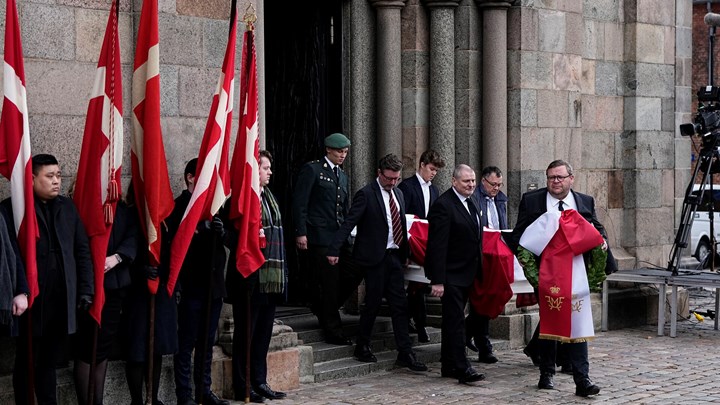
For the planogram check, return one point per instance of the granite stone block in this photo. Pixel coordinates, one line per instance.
(650, 45)
(683, 42)
(615, 187)
(283, 369)
(415, 68)
(59, 135)
(608, 78)
(537, 68)
(668, 115)
(572, 6)
(596, 185)
(568, 145)
(415, 104)
(574, 109)
(164, 6)
(669, 46)
(182, 137)
(602, 113)
(551, 31)
(125, 5)
(655, 228)
(217, 9)
(522, 108)
(593, 40)
(596, 147)
(90, 28)
(515, 68)
(658, 12)
(56, 87)
(683, 14)
(643, 113)
(683, 146)
(537, 145)
(587, 80)
(603, 10)
(48, 32)
(182, 40)
(514, 21)
(467, 69)
(169, 101)
(552, 108)
(215, 39)
(652, 150)
(567, 71)
(613, 41)
(415, 33)
(529, 29)
(574, 31)
(468, 23)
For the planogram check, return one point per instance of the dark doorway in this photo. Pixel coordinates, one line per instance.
(303, 99)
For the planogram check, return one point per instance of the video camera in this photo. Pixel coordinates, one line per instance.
(707, 120)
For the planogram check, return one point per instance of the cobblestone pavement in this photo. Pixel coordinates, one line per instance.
(630, 366)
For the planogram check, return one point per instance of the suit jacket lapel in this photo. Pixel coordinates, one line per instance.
(465, 213)
(379, 197)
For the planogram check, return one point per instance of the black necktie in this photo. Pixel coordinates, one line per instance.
(337, 175)
(560, 206)
(473, 210)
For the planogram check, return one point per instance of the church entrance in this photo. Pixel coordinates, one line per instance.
(304, 102)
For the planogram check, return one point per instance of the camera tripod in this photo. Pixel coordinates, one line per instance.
(707, 165)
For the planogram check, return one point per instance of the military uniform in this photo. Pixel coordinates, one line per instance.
(320, 203)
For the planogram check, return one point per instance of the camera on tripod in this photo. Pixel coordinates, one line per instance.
(707, 120)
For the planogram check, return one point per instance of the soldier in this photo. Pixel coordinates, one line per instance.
(320, 204)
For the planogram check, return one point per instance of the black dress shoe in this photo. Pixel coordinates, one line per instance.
(586, 388)
(487, 358)
(364, 354)
(267, 392)
(338, 340)
(533, 356)
(469, 341)
(211, 399)
(470, 375)
(546, 381)
(422, 335)
(255, 398)
(410, 361)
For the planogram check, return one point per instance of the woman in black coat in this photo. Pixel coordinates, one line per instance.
(121, 252)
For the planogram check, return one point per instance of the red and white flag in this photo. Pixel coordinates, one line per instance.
(151, 182)
(15, 162)
(245, 199)
(212, 184)
(560, 239)
(97, 189)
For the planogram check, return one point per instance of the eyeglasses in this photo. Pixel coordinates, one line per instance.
(391, 179)
(556, 179)
(493, 184)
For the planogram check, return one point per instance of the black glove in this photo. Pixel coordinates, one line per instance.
(85, 302)
(217, 226)
(151, 272)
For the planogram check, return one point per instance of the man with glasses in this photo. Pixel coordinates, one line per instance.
(493, 205)
(558, 195)
(381, 248)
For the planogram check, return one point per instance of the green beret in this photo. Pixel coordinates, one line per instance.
(337, 141)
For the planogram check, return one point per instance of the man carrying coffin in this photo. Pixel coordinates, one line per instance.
(560, 225)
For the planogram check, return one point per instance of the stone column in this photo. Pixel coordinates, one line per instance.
(442, 80)
(494, 83)
(389, 88)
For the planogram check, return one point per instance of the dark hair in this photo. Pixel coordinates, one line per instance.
(558, 163)
(190, 168)
(430, 156)
(265, 154)
(42, 159)
(486, 172)
(390, 162)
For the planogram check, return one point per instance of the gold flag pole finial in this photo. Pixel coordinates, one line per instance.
(249, 18)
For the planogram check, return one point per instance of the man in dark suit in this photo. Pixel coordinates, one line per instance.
(420, 194)
(65, 278)
(381, 248)
(452, 261)
(559, 196)
(319, 207)
(493, 205)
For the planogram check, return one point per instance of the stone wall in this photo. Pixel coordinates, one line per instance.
(595, 83)
(61, 44)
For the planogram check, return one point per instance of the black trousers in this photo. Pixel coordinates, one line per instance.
(332, 286)
(416, 303)
(479, 327)
(47, 350)
(577, 354)
(261, 319)
(452, 347)
(386, 280)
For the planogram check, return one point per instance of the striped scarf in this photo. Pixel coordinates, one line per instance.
(273, 273)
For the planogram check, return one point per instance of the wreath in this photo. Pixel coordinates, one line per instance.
(595, 261)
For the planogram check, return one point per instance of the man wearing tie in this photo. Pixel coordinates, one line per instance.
(452, 261)
(420, 194)
(559, 196)
(493, 205)
(381, 248)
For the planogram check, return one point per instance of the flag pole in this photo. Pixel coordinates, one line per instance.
(31, 362)
(150, 349)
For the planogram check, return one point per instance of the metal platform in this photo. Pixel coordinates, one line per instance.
(663, 279)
